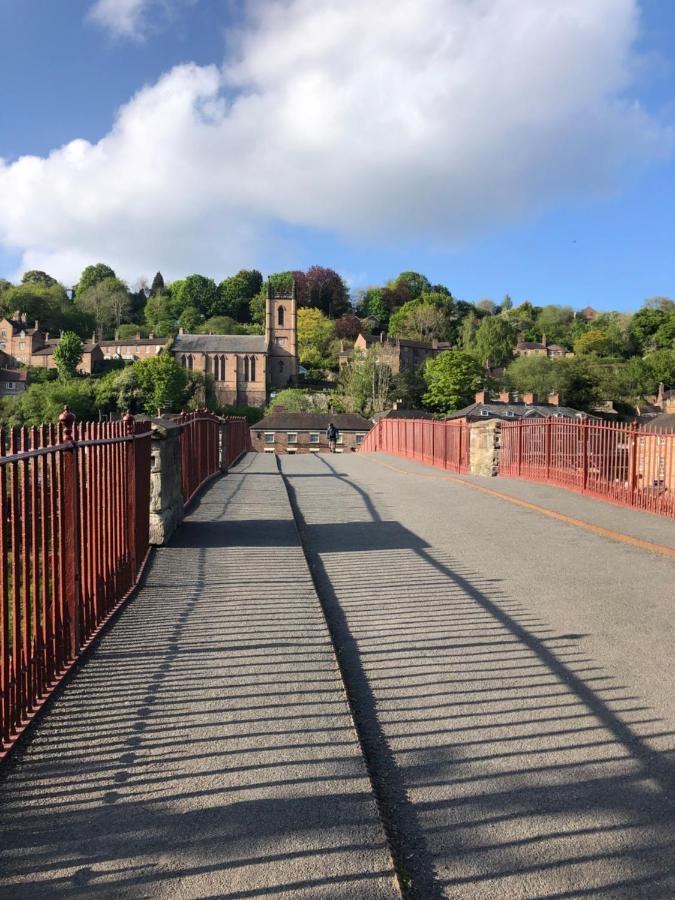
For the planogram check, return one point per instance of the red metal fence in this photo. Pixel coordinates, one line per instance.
(437, 443)
(201, 450)
(74, 504)
(614, 462)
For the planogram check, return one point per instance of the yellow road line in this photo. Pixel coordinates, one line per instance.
(561, 517)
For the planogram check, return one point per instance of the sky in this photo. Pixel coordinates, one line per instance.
(498, 146)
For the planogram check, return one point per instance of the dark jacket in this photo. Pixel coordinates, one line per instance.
(331, 433)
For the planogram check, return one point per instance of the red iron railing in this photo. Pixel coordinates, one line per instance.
(74, 503)
(619, 463)
(201, 449)
(437, 443)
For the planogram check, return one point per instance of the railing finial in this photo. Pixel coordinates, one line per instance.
(67, 419)
(129, 421)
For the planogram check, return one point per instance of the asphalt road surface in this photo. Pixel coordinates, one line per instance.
(511, 674)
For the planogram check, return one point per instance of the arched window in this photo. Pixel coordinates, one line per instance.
(281, 365)
(214, 365)
(190, 362)
(246, 368)
(253, 368)
(280, 316)
(183, 361)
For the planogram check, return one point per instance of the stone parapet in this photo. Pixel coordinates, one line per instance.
(485, 444)
(166, 496)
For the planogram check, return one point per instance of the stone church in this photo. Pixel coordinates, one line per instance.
(245, 367)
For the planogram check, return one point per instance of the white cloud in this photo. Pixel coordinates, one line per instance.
(131, 18)
(432, 119)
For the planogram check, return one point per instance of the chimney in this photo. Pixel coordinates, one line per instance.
(554, 398)
(46, 337)
(504, 397)
(481, 396)
(382, 337)
(181, 330)
(138, 335)
(543, 341)
(434, 343)
(398, 404)
(151, 336)
(529, 398)
(36, 325)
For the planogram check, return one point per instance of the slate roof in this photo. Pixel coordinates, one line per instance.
(529, 345)
(297, 421)
(13, 375)
(48, 348)
(401, 342)
(403, 414)
(510, 411)
(666, 422)
(18, 327)
(219, 343)
(142, 342)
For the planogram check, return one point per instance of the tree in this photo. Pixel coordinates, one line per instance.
(92, 275)
(129, 330)
(418, 321)
(35, 276)
(348, 327)
(162, 383)
(452, 379)
(365, 384)
(159, 315)
(507, 304)
(219, 325)
(487, 307)
(49, 305)
(664, 336)
(531, 373)
(157, 286)
(236, 293)
(414, 282)
(495, 340)
(315, 335)
(296, 400)
(327, 291)
(190, 320)
(197, 291)
(68, 355)
(555, 322)
(372, 303)
(409, 387)
(44, 402)
(662, 366)
(107, 301)
(593, 341)
(468, 332)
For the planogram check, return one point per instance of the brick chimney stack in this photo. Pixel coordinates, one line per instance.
(554, 398)
(481, 396)
(529, 398)
(505, 397)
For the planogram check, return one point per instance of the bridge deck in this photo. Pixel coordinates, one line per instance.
(508, 672)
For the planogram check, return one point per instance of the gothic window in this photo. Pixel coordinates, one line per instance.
(214, 363)
(280, 316)
(281, 365)
(222, 367)
(246, 368)
(253, 368)
(183, 361)
(190, 362)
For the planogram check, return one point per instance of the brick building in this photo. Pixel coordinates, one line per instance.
(535, 348)
(13, 382)
(507, 407)
(244, 366)
(401, 353)
(132, 349)
(25, 344)
(293, 432)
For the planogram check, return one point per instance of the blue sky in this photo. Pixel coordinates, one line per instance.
(285, 145)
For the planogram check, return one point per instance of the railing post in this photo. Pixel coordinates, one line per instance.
(519, 446)
(548, 435)
(584, 456)
(69, 509)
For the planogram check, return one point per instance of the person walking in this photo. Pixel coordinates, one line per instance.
(332, 435)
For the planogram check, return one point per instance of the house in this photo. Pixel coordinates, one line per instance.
(133, 348)
(534, 348)
(13, 382)
(508, 408)
(398, 411)
(25, 344)
(401, 353)
(244, 366)
(293, 432)
(588, 314)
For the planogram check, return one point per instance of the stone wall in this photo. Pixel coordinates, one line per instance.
(166, 496)
(485, 444)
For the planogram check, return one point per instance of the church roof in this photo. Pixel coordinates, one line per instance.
(219, 343)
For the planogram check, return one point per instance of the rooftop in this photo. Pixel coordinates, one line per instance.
(219, 343)
(13, 375)
(282, 420)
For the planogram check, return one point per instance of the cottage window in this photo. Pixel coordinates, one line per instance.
(314, 437)
(22, 345)
(339, 438)
(484, 412)
(269, 437)
(292, 437)
(10, 385)
(359, 439)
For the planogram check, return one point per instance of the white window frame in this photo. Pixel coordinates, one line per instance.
(314, 438)
(10, 385)
(340, 439)
(268, 435)
(292, 437)
(359, 439)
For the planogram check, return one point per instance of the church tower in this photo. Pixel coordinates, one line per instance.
(281, 337)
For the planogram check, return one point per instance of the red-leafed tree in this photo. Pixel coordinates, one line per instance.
(348, 327)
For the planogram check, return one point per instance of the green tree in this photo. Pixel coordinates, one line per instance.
(108, 303)
(555, 322)
(159, 316)
(190, 320)
(315, 336)
(92, 275)
(452, 379)
(35, 276)
(414, 282)
(644, 325)
(531, 373)
(487, 307)
(162, 383)
(495, 340)
(662, 366)
(44, 402)
(372, 303)
(68, 355)
(365, 385)
(157, 286)
(236, 293)
(664, 336)
(197, 291)
(128, 330)
(592, 341)
(296, 400)
(468, 332)
(419, 321)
